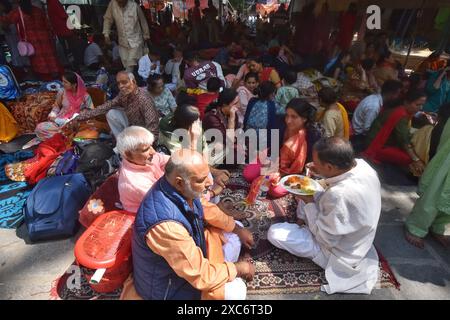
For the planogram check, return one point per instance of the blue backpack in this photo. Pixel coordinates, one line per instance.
(52, 208)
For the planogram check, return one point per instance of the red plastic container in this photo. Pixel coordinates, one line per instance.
(106, 244)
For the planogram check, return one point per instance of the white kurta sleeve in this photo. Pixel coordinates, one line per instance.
(333, 219)
(108, 20)
(301, 210)
(311, 212)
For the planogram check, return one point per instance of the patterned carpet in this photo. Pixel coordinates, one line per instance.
(78, 291)
(277, 272)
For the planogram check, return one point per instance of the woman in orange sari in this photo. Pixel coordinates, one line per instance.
(389, 138)
(293, 153)
(299, 114)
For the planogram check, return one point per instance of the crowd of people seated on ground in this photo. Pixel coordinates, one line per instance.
(166, 105)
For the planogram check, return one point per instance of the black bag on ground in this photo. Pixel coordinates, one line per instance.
(97, 162)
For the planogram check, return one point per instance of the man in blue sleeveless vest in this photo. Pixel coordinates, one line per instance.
(169, 248)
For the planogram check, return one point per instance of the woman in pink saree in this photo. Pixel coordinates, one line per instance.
(69, 101)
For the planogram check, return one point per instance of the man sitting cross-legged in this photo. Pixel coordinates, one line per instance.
(336, 227)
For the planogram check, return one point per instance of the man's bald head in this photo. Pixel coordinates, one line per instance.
(335, 151)
(183, 162)
(188, 172)
(333, 156)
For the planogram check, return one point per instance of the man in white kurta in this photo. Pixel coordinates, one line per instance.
(132, 30)
(149, 64)
(337, 226)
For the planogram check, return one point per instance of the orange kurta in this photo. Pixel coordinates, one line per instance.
(293, 154)
(173, 242)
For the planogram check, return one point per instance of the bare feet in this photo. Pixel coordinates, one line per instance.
(443, 240)
(414, 240)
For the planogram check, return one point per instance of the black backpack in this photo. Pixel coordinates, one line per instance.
(97, 162)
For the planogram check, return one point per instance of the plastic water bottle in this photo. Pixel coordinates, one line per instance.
(264, 188)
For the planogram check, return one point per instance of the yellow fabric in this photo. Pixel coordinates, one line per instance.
(421, 142)
(346, 123)
(275, 77)
(196, 91)
(8, 125)
(345, 120)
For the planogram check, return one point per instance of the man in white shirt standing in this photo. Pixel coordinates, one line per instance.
(368, 109)
(132, 30)
(336, 227)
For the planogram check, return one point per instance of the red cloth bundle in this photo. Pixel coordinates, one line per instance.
(35, 169)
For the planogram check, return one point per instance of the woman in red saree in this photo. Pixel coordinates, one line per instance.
(37, 32)
(389, 137)
(255, 65)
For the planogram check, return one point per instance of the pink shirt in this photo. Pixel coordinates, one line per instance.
(135, 180)
(244, 97)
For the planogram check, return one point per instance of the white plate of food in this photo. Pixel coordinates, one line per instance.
(300, 185)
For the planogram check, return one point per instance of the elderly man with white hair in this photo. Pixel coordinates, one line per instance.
(141, 165)
(132, 106)
(141, 168)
